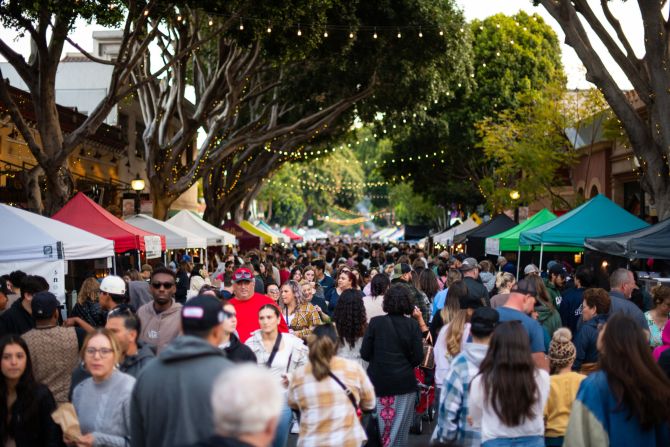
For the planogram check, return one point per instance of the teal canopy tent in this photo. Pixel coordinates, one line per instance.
(595, 218)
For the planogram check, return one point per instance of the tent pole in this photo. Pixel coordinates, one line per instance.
(165, 257)
(518, 262)
(541, 252)
(114, 265)
(139, 261)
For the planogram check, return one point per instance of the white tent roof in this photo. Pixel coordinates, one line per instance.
(313, 234)
(29, 236)
(175, 237)
(190, 222)
(396, 235)
(447, 237)
(383, 234)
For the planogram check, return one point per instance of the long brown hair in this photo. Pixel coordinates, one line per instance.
(542, 293)
(637, 382)
(452, 302)
(323, 346)
(508, 374)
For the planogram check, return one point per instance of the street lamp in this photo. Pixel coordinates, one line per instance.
(514, 195)
(137, 185)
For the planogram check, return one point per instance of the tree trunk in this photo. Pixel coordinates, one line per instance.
(161, 200)
(30, 180)
(306, 216)
(59, 189)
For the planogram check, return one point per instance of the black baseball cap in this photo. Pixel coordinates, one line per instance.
(484, 320)
(525, 287)
(201, 313)
(557, 269)
(43, 305)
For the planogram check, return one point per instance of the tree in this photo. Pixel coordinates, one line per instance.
(262, 92)
(509, 55)
(647, 127)
(48, 25)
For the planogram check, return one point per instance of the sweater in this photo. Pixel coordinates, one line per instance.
(483, 414)
(159, 329)
(393, 354)
(562, 393)
(103, 408)
(598, 419)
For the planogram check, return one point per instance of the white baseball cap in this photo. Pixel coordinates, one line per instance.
(113, 284)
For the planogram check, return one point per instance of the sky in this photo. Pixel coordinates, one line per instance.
(626, 12)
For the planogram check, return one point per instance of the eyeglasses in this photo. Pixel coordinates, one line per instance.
(104, 352)
(166, 285)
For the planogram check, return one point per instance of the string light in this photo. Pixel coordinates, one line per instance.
(241, 25)
(374, 36)
(325, 33)
(299, 31)
(269, 29)
(399, 34)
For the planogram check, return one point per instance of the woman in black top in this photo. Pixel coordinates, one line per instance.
(25, 405)
(392, 345)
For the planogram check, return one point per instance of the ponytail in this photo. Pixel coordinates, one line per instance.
(323, 346)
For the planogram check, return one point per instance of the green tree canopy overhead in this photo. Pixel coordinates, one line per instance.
(510, 55)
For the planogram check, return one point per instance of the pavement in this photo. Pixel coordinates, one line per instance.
(422, 440)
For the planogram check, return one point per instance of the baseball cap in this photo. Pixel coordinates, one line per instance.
(470, 301)
(147, 268)
(525, 287)
(242, 274)
(113, 284)
(43, 305)
(400, 269)
(483, 321)
(557, 269)
(531, 268)
(501, 260)
(186, 258)
(201, 313)
(469, 264)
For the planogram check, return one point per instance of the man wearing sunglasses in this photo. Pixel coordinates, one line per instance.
(160, 318)
(247, 303)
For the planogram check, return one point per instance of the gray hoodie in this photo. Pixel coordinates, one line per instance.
(475, 353)
(171, 405)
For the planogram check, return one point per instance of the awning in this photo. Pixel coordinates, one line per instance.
(291, 234)
(175, 237)
(84, 213)
(447, 237)
(245, 240)
(649, 242)
(266, 237)
(188, 221)
(477, 238)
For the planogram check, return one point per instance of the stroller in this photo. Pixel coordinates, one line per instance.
(424, 409)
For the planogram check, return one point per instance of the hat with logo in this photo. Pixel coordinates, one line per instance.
(557, 269)
(469, 264)
(243, 274)
(531, 268)
(113, 284)
(483, 321)
(525, 287)
(201, 313)
(43, 305)
(400, 269)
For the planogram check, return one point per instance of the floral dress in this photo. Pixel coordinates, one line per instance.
(654, 331)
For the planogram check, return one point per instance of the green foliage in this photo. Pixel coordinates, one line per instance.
(509, 55)
(410, 207)
(23, 15)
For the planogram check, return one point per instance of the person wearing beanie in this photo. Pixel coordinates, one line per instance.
(563, 388)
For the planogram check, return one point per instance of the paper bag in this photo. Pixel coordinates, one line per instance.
(66, 416)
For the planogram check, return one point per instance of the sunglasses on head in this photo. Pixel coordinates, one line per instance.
(242, 275)
(166, 285)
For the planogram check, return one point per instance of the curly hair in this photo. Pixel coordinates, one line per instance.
(350, 317)
(398, 300)
(89, 290)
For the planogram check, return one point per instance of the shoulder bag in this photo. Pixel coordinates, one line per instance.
(275, 348)
(368, 419)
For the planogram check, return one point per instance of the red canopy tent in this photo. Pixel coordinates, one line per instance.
(291, 234)
(246, 240)
(84, 213)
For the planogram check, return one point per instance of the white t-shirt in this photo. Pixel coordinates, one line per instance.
(492, 427)
(442, 357)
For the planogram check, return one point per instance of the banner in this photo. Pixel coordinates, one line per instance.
(492, 246)
(152, 246)
(51, 270)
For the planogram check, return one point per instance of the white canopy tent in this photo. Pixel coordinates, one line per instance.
(190, 222)
(175, 237)
(313, 234)
(383, 233)
(40, 246)
(447, 237)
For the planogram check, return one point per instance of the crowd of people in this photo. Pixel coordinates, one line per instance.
(334, 342)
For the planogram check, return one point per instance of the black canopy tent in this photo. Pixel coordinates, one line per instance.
(476, 240)
(648, 242)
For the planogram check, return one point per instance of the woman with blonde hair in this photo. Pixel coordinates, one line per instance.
(504, 283)
(301, 316)
(87, 307)
(102, 401)
(328, 391)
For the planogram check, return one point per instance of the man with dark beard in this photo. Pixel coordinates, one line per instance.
(160, 318)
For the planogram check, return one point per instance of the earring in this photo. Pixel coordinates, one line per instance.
(83, 365)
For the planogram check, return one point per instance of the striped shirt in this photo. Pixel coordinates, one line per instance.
(327, 417)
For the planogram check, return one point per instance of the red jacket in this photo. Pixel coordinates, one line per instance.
(247, 314)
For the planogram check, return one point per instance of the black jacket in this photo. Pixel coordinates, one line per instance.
(477, 290)
(43, 432)
(220, 441)
(393, 355)
(238, 352)
(16, 320)
(183, 284)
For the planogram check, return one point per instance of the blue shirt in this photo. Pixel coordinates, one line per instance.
(571, 308)
(438, 302)
(532, 327)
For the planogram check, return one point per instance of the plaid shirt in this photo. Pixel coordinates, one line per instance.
(452, 425)
(305, 318)
(327, 417)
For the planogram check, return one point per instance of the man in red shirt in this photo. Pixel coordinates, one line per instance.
(247, 304)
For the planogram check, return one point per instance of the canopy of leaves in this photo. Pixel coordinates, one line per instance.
(510, 55)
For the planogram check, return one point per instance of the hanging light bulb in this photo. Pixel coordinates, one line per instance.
(351, 34)
(299, 31)
(374, 36)
(441, 33)
(269, 30)
(399, 35)
(325, 33)
(241, 25)
(420, 33)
